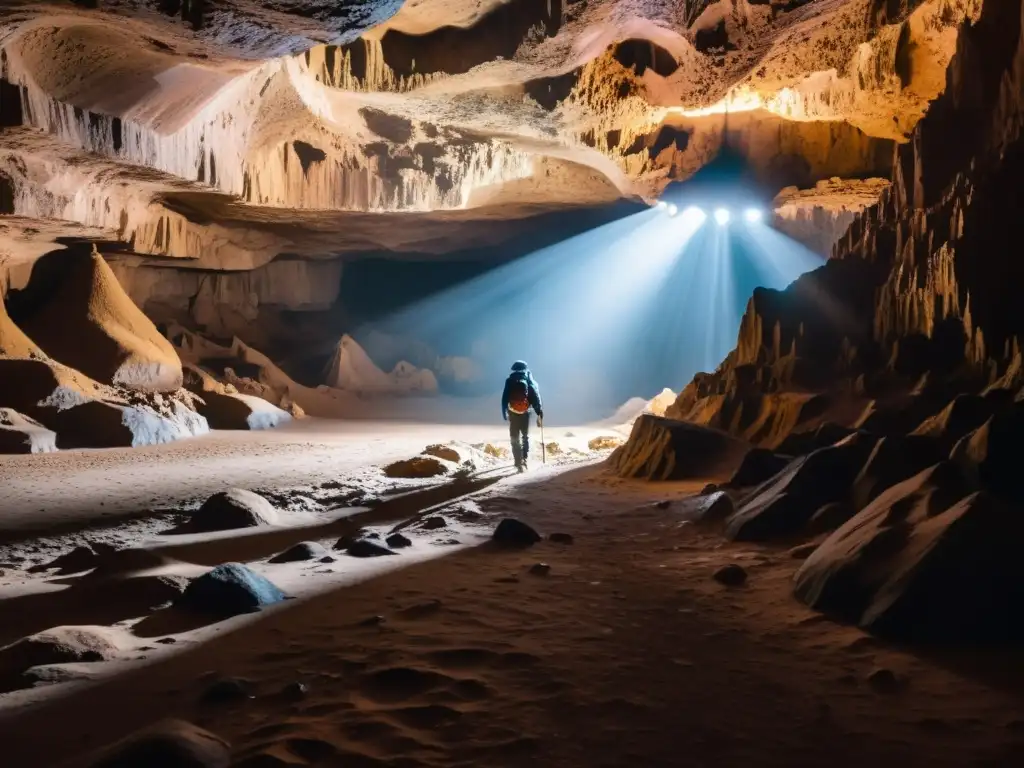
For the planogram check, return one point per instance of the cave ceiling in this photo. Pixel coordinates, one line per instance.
(225, 133)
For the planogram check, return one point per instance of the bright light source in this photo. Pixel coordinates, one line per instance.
(695, 213)
(752, 215)
(661, 205)
(722, 216)
(672, 210)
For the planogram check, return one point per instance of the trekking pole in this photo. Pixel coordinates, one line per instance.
(543, 445)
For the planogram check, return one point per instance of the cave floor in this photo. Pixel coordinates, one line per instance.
(625, 652)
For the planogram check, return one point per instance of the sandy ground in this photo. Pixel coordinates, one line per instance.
(626, 653)
(75, 488)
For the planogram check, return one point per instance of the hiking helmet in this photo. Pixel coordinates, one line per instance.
(519, 365)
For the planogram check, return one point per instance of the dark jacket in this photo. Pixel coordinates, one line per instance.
(532, 391)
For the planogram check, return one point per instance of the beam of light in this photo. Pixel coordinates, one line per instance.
(722, 216)
(672, 209)
(753, 215)
(625, 309)
(661, 205)
(695, 213)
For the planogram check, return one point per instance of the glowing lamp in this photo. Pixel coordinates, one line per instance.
(722, 216)
(661, 205)
(694, 213)
(672, 210)
(752, 215)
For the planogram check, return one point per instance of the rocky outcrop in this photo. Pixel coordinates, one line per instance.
(908, 334)
(923, 562)
(662, 449)
(86, 414)
(352, 370)
(75, 310)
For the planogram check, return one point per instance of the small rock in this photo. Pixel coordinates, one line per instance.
(515, 533)
(373, 621)
(434, 523)
(367, 548)
(709, 488)
(345, 542)
(561, 538)
(304, 550)
(167, 641)
(540, 569)
(731, 575)
(228, 689)
(328, 559)
(398, 541)
(663, 504)
(803, 551)
(604, 443)
(884, 680)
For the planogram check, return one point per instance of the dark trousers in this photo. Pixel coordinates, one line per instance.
(519, 432)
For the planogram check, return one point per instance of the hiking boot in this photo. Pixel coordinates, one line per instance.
(520, 468)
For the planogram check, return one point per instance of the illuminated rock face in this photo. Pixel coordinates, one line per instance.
(321, 106)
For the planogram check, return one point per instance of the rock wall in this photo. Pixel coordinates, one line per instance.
(920, 285)
(226, 304)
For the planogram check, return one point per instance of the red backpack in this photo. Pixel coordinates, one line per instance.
(519, 396)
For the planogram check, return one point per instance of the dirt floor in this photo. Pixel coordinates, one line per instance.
(627, 652)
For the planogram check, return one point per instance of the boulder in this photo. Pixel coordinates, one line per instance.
(417, 467)
(924, 562)
(171, 744)
(367, 548)
(445, 452)
(514, 533)
(60, 645)
(433, 523)
(304, 550)
(758, 465)
(398, 541)
(784, 504)
(664, 449)
(561, 538)
(235, 508)
(21, 434)
(229, 590)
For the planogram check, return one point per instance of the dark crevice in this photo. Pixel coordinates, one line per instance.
(11, 114)
(549, 91)
(308, 154)
(641, 55)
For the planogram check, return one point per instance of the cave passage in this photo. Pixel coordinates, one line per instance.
(622, 310)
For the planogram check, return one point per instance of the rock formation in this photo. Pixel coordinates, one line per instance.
(236, 151)
(909, 335)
